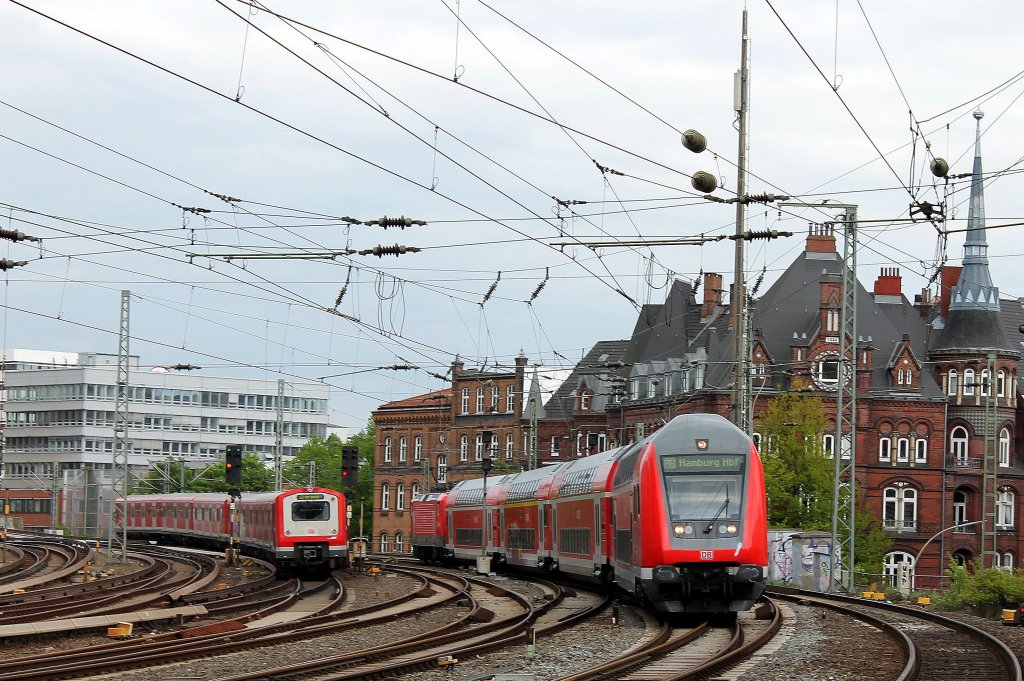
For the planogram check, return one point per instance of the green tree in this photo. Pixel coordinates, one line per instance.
(871, 543)
(798, 476)
(168, 476)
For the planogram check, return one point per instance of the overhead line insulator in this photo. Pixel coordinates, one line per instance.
(381, 251)
(400, 222)
(7, 263)
(15, 235)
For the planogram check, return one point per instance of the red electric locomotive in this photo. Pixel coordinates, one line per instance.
(303, 528)
(678, 519)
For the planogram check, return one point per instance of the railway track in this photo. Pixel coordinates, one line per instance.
(934, 647)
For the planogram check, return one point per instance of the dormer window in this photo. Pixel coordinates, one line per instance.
(585, 400)
(832, 321)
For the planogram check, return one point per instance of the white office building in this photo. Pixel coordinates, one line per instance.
(60, 408)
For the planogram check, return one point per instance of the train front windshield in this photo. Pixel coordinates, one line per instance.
(703, 497)
(703, 486)
(311, 510)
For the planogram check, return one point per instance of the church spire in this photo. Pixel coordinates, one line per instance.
(975, 290)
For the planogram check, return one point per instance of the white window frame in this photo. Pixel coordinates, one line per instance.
(417, 448)
(442, 468)
(495, 398)
(960, 510)
(585, 400)
(403, 449)
(387, 449)
(1005, 500)
(885, 448)
(968, 382)
(510, 399)
(384, 546)
(464, 448)
(510, 444)
(986, 383)
(959, 444)
(554, 445)
(414, 491)
(399, 543)
(1004, 448)
(899, 508)
(1001, 384)
(899, 376)
(1006, 562)
(480, 399)
(821, 371)
(921, 450)
(828, 445)
(755, 437)
(952, 382)
(903, 450)
(400, 496)
(892, 562)
(465, 401)
(479, 450)
(385, 496)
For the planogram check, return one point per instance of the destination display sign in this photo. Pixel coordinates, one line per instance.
(696, 463)
(308, 497)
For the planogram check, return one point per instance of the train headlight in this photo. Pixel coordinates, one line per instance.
(731, 529)
(678, 530)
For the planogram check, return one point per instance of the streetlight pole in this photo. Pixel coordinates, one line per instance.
(913, 568)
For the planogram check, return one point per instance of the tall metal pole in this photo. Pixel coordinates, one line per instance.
(990, 470)
(737, 304)
(278, 427)
(117, 536)
(844, 490)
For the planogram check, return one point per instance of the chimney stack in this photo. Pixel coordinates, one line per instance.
(712, 294)
(821, 239)
(889, 282)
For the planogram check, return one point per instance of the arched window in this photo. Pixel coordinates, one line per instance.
(903, 450)
(1004, 508)
(403, 448)
(585, 400)
(986, 383)
(510, 443)
(1001, 384)
(387, 449)
(893, 561)
(399, 543)
(479, 446)
(958, 444)
(417, 448)
(1004, 447)
(510, 399)
(884, 448)
(961, 557)
(899, 377)
(921, 450)
(384, 542)
(442, 468)
(756, 437)
(464, 448)
(385, 497)
(900, 508)
(960, 511)
(1007, 562)
(399, 499)
(414, 491)
(954, 382)
(968, 381)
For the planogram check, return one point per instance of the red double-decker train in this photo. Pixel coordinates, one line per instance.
(679, 519)
(303, 528)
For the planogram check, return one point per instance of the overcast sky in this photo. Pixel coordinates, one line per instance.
(113, 161)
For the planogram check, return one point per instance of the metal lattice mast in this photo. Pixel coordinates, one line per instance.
(117, 536)
(739, 374)
(844, 490)
(278, 427)
(990, 467)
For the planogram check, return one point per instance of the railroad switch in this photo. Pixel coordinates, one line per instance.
(447, 661)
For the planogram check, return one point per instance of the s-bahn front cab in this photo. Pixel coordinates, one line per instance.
(713, 543)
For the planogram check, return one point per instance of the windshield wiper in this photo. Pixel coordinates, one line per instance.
(721, 509)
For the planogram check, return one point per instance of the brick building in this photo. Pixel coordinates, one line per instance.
(939, 451)
(441, 437)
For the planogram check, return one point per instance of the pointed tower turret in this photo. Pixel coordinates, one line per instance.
(973, 321)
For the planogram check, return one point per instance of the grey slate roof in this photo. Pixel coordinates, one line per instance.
(792, 303)
(562, 404)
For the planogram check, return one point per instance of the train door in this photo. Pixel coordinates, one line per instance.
(545, 526)
(497, 522)
(635, 523)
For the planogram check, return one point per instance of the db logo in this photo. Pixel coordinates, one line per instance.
(707, 555)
